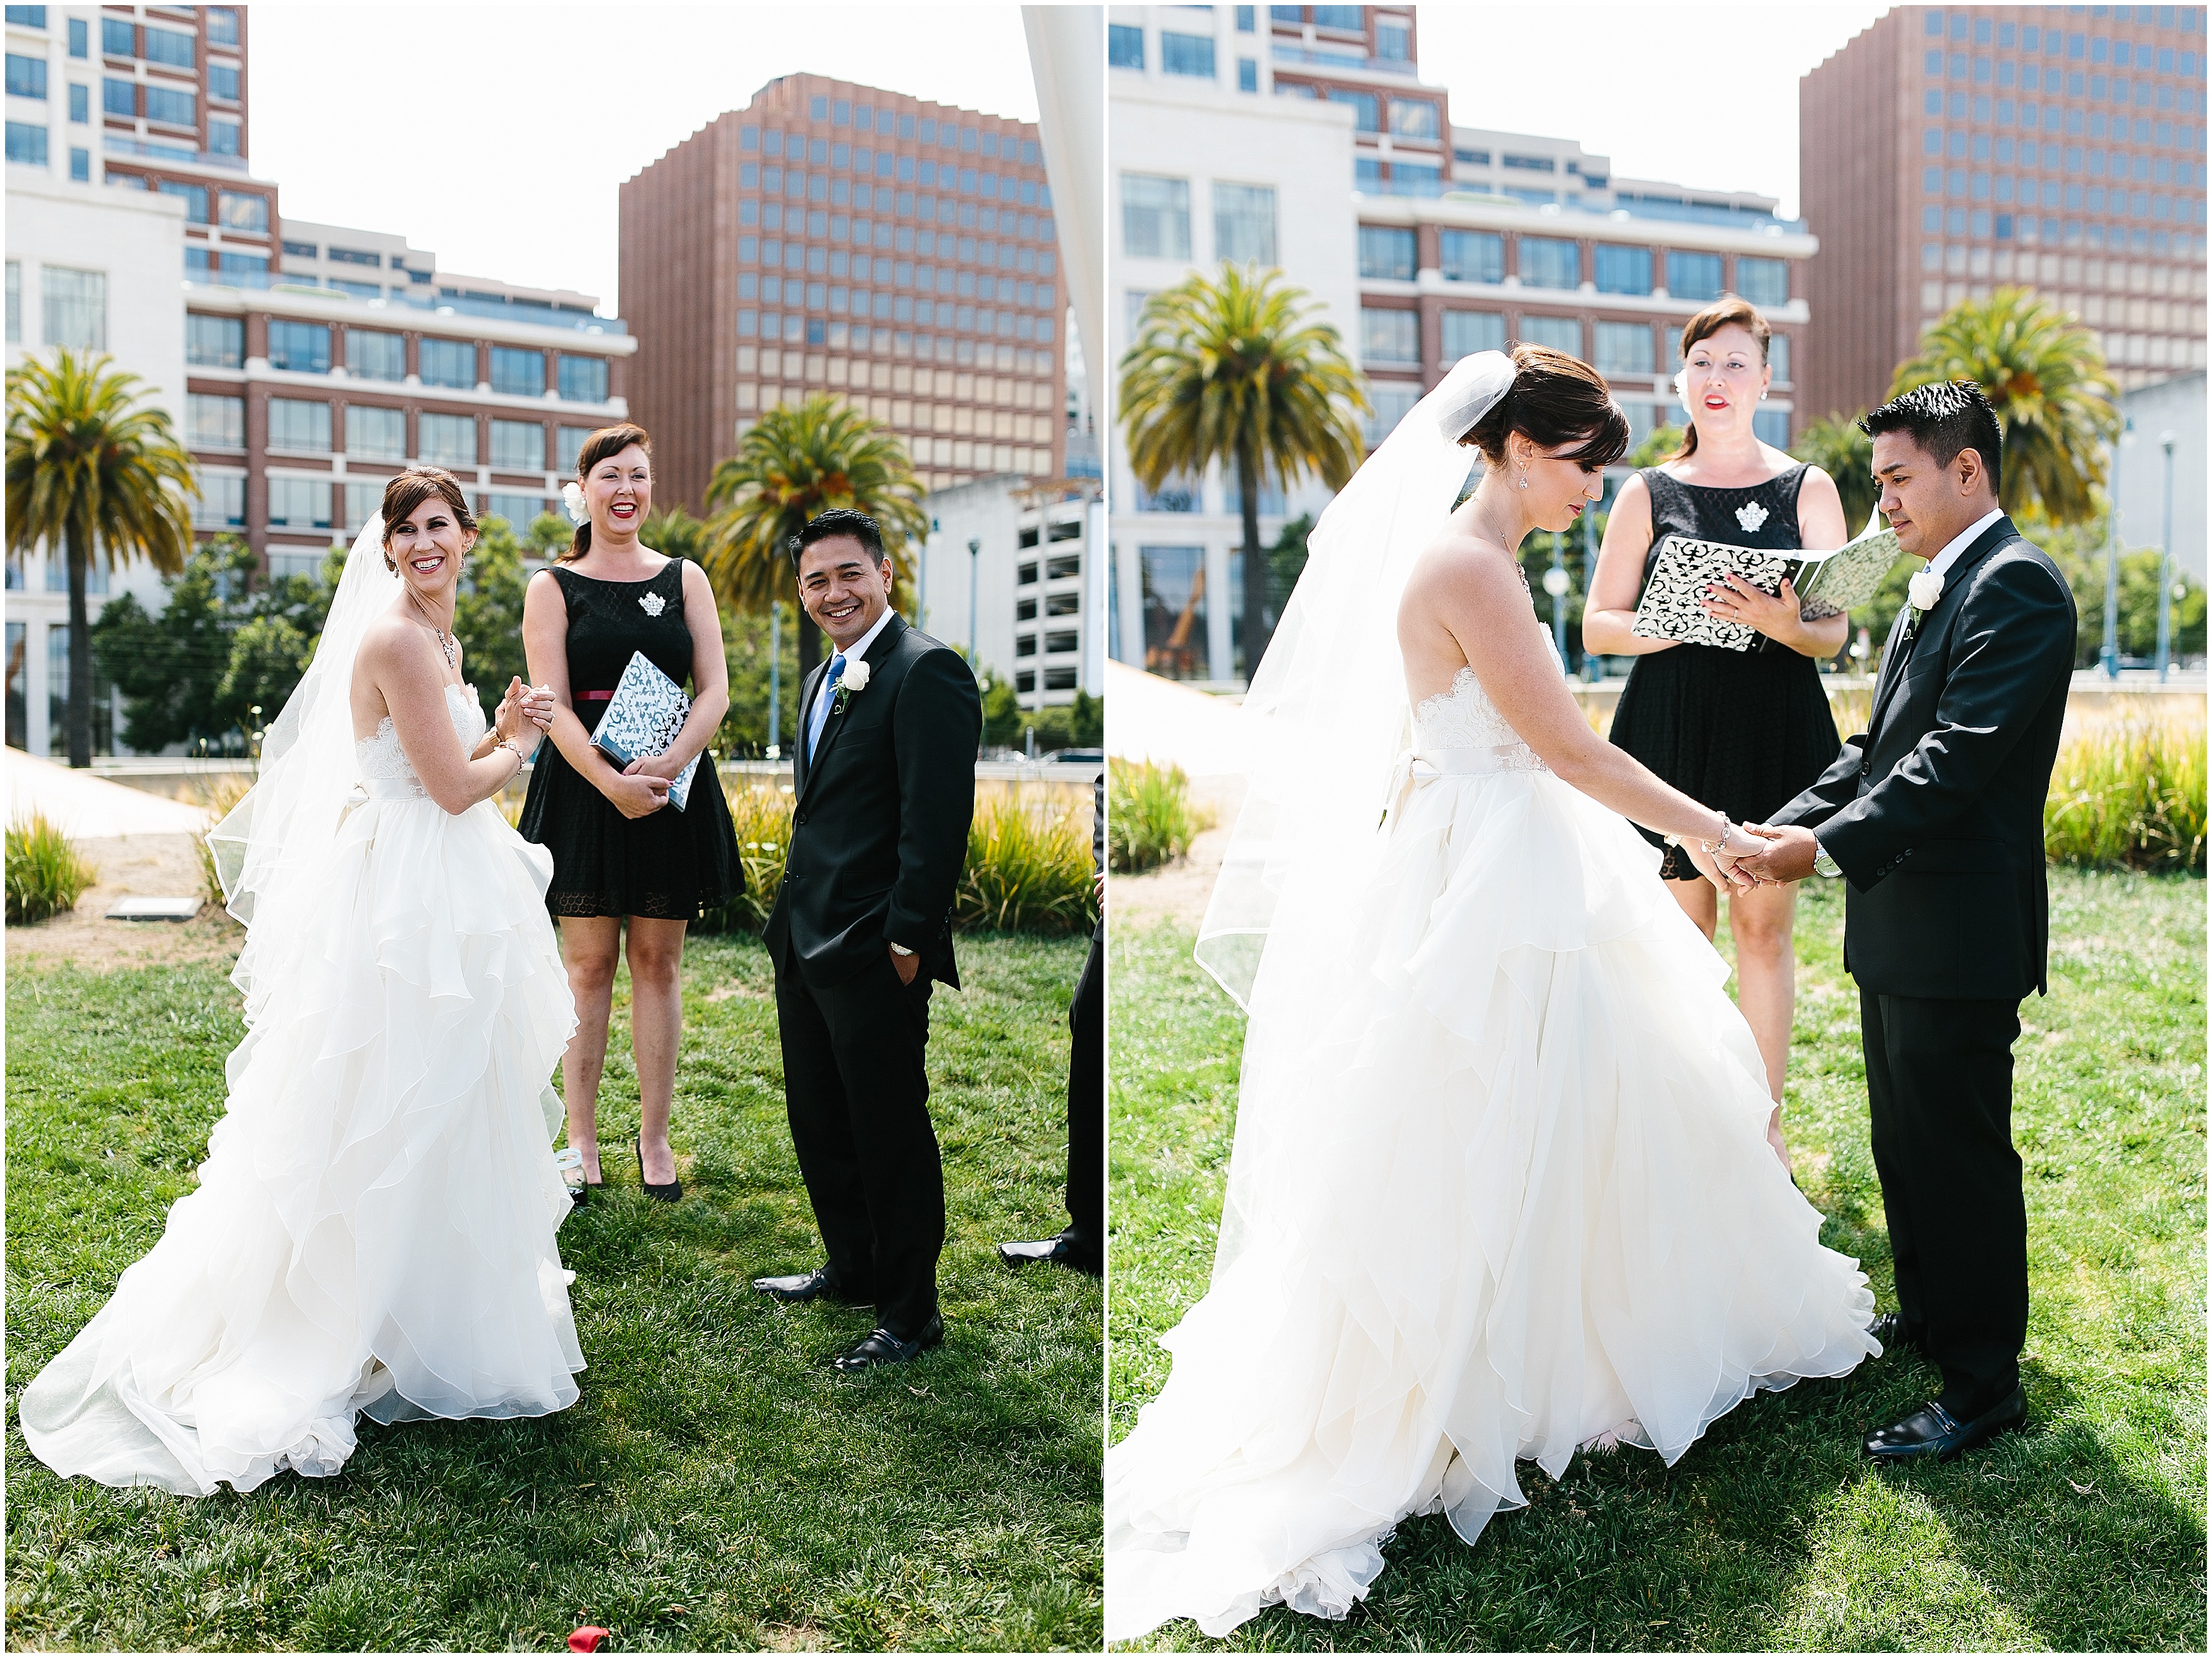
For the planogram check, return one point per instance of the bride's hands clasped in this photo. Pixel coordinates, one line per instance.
(524, 713)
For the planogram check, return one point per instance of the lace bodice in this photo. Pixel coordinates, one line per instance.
(1461, 718)
(384, 762)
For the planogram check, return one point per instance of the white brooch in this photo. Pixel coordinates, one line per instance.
(653, 604)
(1751, 515)
(572, 497)
(1924, 589)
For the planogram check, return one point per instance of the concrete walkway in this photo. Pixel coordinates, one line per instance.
(88, 808)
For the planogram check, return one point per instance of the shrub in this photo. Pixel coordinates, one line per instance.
(761, 813)
(1028, 869)
(45, 874)
(1149, 819)
(219, 791)
(2128, 794)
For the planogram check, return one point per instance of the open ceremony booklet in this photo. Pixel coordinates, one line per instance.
(647, 711)
(1827, 583)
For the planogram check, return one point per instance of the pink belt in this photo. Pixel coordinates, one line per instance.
(595, 696)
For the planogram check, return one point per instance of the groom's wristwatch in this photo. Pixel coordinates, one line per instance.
(899, 950)
(1822, 863)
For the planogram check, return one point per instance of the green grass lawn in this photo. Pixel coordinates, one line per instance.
(717, 1487)
(2087, 1531)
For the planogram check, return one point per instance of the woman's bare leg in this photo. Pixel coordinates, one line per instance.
(1762, 921)
(590, 946)
(656, 1033)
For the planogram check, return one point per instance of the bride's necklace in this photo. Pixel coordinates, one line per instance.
(444, 640)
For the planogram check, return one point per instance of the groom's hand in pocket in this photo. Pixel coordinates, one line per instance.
(905, 966)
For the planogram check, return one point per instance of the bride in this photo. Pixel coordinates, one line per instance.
(373, 1232)
(1501, 1185)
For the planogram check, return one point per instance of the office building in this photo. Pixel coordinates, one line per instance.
(1010, 570)
(830, 237)
(1947, 151)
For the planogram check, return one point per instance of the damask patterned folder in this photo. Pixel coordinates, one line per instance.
(1827, 584)
(647, 711)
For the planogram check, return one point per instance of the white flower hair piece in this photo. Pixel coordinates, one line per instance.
(572, 498)
(1682, 388)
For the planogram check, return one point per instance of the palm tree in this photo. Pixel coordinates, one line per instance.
(1232, 369)
(674, 533)
(91, 469)
(2043, 375)
(798, 460)
(1845, 453)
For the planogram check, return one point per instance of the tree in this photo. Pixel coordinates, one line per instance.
(487, 611)
(674, 533)
(549, 535)
(2055, 402)
(1231, 368)
(93, 470)
(798, 460)
(1845, 453)
(1660, 444)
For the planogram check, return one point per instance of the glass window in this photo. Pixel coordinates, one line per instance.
(244, 212)
(1155, 217)
(222, 138)
(1415, 179)
(214, 342)
(169, 46)
(449, 363)
(1623, 269)
(583, 380)
(1777, 357)
(1624, 348)
(222, 505)
(80, 166)
(80, 38)
(214, 422)
(79, 101)
(1548, 263)
(1467, 332)
(1394, 43)
(1413, 118)
(220, 23)
(14, 302)
(119, 98)
(1386, 252)
(1248, 75)
(1553, 333)
(373, 355)
(1693, 275)
(117, 38)
(374, 434)
(521, 511)
(1174, 586)
(448, 439)
(29, 17)
(568, 446)
(1472, 256)
(172, 107)
(27, 142)
(1763, 282)
(1771, 426)
(518, 446)
(194, 196)
(1367, 109)
(57, 678)
(298, 425)
(298, 504)
(75, 307)
(27, 77)
(302, 347)
(1389, 403)
(518, 374)
(1341, 17)
(1244, 223)
(1187, 54)
(1390, 337)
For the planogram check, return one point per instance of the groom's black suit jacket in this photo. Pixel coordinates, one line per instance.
(879, 829)
(1935, 812)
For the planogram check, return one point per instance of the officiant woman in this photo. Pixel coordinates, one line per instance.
(1741, 731)
(624, 858)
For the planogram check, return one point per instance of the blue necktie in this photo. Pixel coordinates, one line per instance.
(822, 704)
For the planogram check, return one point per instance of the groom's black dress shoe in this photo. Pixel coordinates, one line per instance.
(1935, 1434)
(1059, 1251)
(817, 1285)
(882, 1347)
(1895, 1335)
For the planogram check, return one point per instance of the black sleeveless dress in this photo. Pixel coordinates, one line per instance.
(1742, 732)
(669, 866)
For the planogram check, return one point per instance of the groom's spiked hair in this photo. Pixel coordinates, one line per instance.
(840, 521)
(1944, 417)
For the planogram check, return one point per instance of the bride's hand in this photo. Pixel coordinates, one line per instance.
(512, 722)
(1722, 877)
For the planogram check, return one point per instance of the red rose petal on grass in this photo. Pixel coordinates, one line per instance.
(586, 1639)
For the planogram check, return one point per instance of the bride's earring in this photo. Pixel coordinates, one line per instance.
(1525, 480)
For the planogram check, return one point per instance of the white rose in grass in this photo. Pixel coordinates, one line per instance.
(572, 497)
(855, 677)
(1923, 589)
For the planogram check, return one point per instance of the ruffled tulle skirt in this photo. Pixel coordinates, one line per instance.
(1501, 1186)
(373, 1228)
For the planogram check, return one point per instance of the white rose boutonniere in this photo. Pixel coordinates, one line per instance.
(572, 498)
(854, 678)
(1921, 593)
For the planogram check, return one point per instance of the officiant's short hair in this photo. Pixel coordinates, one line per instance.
(840, 521)
(1944, 417)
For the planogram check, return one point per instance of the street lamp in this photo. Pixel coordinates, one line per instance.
(2110, 654)
(975, 550)
(775, 678)
(2166, 567)
(1556, 584)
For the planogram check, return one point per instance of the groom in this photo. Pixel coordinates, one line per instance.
(885, 785)
(1934, 819)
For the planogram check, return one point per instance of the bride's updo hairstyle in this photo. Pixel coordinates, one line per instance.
(1554, 399)
(607, 441)
(405, 491)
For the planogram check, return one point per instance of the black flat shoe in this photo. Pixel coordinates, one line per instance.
(882, 1347)
(1895, 1335)
(1934, 1434)
(1057, 1250)
(672, 1192)
(817, 1285)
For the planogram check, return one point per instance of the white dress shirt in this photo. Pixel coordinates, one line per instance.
(1942, 563)
(860, 648)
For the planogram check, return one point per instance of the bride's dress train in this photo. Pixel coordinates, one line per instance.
(1524, 1199)
(372, 1233)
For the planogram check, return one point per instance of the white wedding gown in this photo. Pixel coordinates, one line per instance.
(373, 1228)
(1525, 1199)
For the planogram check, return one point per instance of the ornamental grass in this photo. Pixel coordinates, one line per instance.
(2128, 794)
(46, 874)
(1150, 817)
